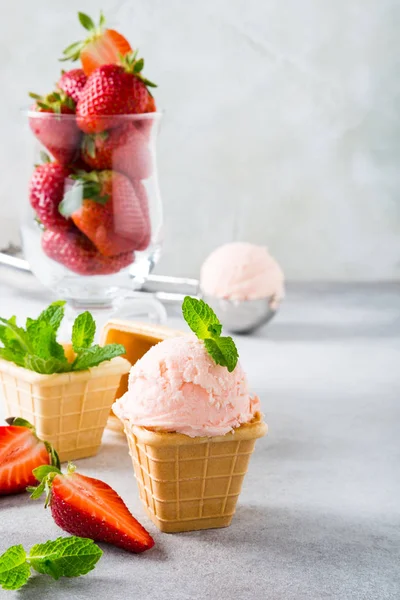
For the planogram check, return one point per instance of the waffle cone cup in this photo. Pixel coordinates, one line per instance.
(69, 410)
(188, 483)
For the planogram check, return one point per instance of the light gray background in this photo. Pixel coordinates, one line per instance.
(281, 127)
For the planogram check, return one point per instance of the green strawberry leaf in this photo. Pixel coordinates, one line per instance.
(14, 570)
(83, 331)
(86, 21)
(65, 557)
(138, 66)
(199, 316)
(91, 357)
(223, 351)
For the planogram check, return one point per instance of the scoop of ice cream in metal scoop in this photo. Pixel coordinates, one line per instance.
(244, 284)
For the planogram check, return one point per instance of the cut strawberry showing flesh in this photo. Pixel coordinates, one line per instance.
(21, 451)
(101, 47)
(88, 507)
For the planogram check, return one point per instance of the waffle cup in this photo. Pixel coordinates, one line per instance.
(69, 410)
(188, 483)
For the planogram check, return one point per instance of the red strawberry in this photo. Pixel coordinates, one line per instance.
(53, 122)
(46, 191)
(112, 90)
(73, 250)
(72, 83)
(102, 47)
(90, 508)
(141, 193)
(105, 207)
(21, 452)
(151, 105)
(124, 149)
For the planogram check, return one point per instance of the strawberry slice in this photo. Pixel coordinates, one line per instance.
(88, 507)
(21, 451)
(101, 47)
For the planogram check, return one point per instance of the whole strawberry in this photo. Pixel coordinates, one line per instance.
(113, 90)
(77, 253)
(53, 122)
(46, 191)
(101, 47)
(124, 149)
(72, 83)
(105, 207)
(90, 508)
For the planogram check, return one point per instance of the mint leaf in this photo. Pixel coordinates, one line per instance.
(12, 356)
(204, 322)
(91, 357)
(199, 316)
(45, 366)
(43, 341)
(13, 337)
(65, 557)
(53, 315)
(223, 351)
(83, 331)
(215, 329)
(14, 570)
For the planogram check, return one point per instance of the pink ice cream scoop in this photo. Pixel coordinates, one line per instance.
(241, 271)
(177, 387)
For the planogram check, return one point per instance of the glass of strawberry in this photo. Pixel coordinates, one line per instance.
(92, 229)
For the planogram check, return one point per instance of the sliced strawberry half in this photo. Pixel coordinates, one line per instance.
(88, 507)
(21, 451)
(101, 47)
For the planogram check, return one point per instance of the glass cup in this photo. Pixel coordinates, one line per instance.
(92, 226)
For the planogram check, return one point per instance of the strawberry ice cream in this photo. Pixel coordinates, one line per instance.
(177, 387)
(242, 271)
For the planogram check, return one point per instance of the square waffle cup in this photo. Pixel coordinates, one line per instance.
(69, 410)
(188, 483)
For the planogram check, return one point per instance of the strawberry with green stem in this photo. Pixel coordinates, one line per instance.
(105, 207)
(46, 191)
(101, 47)
(78, 254)
(113, 90)
(88, 507)
(54, 125)
(21, 451)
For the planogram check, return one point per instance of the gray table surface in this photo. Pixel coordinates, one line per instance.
(319, 515)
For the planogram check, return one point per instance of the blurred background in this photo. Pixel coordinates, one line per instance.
(281, 124)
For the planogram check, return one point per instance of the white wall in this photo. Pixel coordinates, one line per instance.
(282, 123)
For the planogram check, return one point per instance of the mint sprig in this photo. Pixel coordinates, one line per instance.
(36, 347)
(64, 557)
(203, 321)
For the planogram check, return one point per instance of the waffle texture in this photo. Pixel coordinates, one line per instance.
(191, 483)
(69, 410)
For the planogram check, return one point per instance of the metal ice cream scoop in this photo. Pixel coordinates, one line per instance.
(242, 316)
